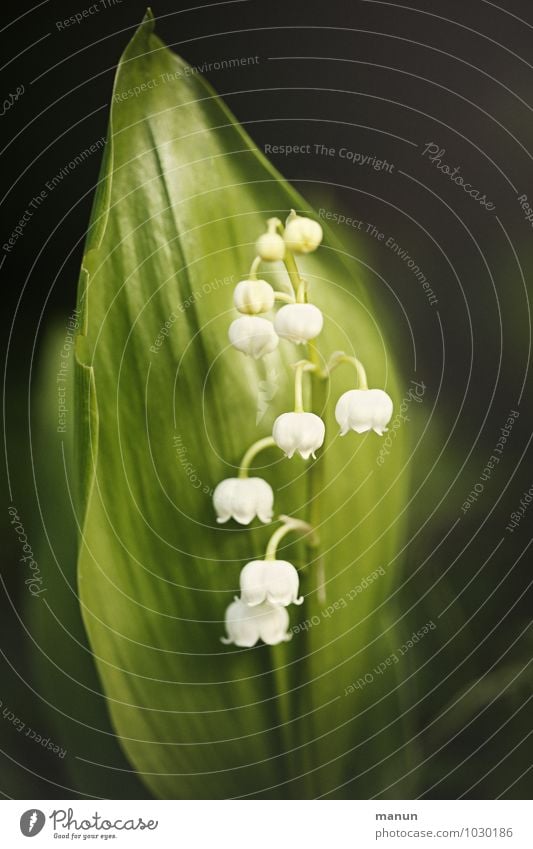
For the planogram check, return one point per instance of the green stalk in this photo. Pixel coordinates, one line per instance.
(253, 451)
(292, 270)
(289, 525)
(315, 483)
(340, 357)
(285, 715)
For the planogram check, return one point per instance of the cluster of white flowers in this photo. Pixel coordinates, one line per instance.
(268, 586)
(296, 321)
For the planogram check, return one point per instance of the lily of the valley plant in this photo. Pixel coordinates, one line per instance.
(268, 586)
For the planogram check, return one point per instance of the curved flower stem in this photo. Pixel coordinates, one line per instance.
(340, 357)
(252, 452)
(274, 224)
(298, 284)
(299, 368)
(254, 267)
(289, 525)
(284, 296)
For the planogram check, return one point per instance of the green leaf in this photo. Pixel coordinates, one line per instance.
(166, 409)
(69, 706)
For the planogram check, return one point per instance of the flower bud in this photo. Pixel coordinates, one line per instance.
(269, 580)
(364, 409)
(302, 432)
(253, 336)
(246, 625)
(302, 235)
(270, 247)
(243, 499)
(298, 322)
(253, 296)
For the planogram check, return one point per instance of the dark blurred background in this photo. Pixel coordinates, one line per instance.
(365, 78)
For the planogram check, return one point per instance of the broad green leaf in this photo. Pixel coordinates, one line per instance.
(166, 409)
(68, 705)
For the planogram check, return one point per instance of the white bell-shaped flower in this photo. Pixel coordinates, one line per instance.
(298, 322)
(270, 247)
(253, 296)
(246, 625)
(302, 235)
(253, 335)
(301, 432)
(270, 580)
(364, 409)
(243, 499)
